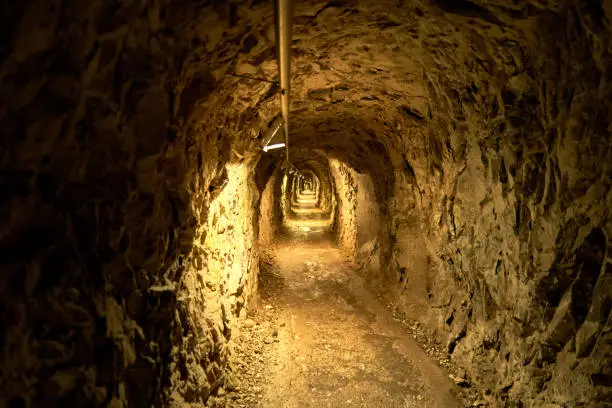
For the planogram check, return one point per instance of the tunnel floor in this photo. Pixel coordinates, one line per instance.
(321, 339)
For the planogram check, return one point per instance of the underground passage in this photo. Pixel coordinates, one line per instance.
(287, 204)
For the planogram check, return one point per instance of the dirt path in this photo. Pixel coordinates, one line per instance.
(320, 339)
(328, 343)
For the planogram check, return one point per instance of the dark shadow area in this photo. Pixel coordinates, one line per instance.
(84, 283)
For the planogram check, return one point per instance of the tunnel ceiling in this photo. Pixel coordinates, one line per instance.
(311, 160)
(372, 72)
(366, 74)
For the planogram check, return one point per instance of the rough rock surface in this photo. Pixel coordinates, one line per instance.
(484, 126)
(269, 210)
(346, 196)
(109, 167)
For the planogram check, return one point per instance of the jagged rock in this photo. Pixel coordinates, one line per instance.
(563, 326)
(249, 323)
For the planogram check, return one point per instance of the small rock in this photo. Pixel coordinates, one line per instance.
(249, 323)
(461, 382)
(100, 394)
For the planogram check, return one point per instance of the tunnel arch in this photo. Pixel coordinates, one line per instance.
(131, 157)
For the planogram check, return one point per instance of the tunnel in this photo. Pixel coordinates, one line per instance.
(434, 234)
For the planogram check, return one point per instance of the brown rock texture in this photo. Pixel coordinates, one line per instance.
(270, 216)
(474, 134)
(346, 227)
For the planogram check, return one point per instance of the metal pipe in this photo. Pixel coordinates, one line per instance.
(284, 15)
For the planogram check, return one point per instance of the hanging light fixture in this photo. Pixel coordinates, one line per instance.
(274, 136)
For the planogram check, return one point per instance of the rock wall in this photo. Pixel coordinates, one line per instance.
(107, 173)
(513, 203)
(345, 226)
(359, 226)
(216, 291)
(285, 197)
(371, 229)
(367, 212)
(326, 193)
(270, 218)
